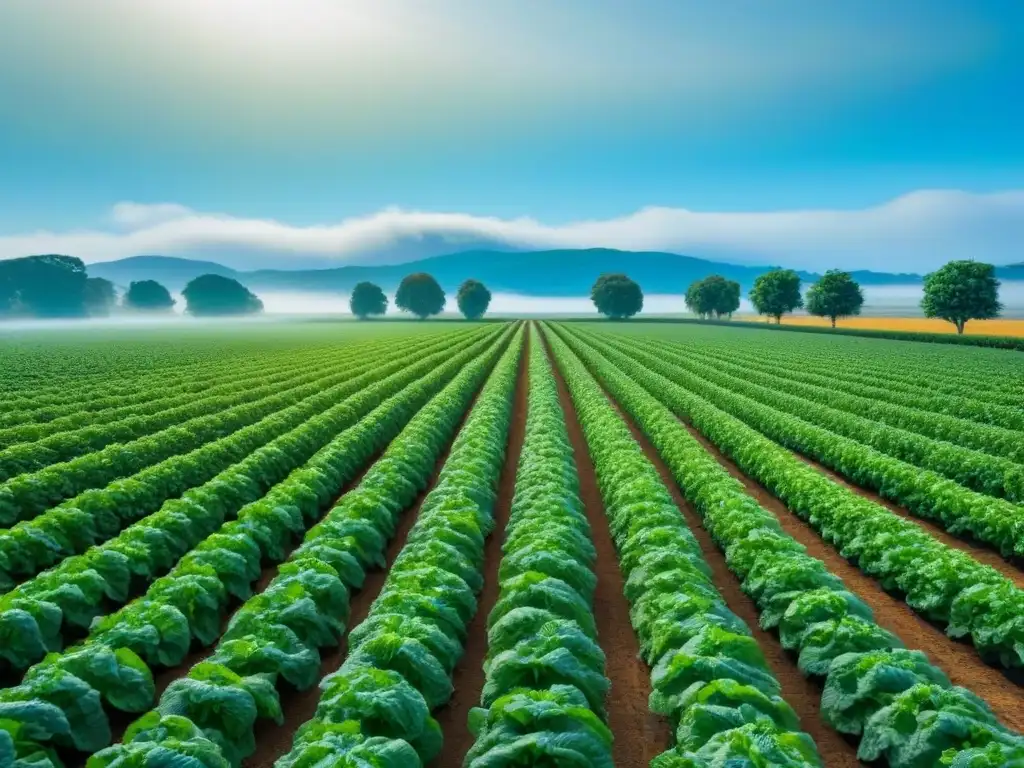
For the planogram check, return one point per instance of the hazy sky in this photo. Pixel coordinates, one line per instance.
(811, 132)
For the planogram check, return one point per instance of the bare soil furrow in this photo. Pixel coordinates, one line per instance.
(959, 661)
(468, 677)
(640, 735)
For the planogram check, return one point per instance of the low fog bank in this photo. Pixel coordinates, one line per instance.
(899, 300)
(888, 300)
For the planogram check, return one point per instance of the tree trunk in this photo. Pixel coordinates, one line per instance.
(960, 327)
(778, 319)
(833, 321)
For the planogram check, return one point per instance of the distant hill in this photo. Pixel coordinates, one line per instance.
(535, 273)
(171, 271)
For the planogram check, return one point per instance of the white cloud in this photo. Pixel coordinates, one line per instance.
(916, 232)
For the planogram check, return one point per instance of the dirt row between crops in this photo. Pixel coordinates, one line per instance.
(468, 677)
(272, 740)
(980, 551)
(958, 660)
(639, 734)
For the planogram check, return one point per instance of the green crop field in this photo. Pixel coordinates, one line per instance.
(502, 544)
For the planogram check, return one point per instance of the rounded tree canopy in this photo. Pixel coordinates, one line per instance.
(148, 296)
(367, 299)
(714, 295)
(100, 296)
(837, 294)
(51, 285)
(473, 298)
(616, 296)
(962, 291)
(777, 292)
(214, 295)
(420, 294)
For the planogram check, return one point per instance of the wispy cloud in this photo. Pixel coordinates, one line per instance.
(916, 232)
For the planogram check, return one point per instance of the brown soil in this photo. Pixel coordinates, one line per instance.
(640, 735)
(468, 677)
(272, 740)
(978, 550)
(800, 692)
(959, 661)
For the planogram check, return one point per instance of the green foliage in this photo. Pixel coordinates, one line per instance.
(713, 296)
(148, 296)
(709, 675)
(473, 299)
(420, 294)
(836, 294)
(962, 291)
(99, 296)
(776, 292)
(903, 707)
(367, 299)
(44, 286)
(215, 295)
(616, 296)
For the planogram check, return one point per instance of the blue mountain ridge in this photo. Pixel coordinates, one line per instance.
(532, 273)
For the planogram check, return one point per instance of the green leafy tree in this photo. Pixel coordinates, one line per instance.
(714, 295)
(776, 292)
(473, 299)
(420, 294)
(616, 296)
(100, 296)
(367, 299)
(962, 291)
(43, 286)
(837, 294)
(148, 296)
(214, 295)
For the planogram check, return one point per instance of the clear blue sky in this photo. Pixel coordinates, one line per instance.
(310, 111)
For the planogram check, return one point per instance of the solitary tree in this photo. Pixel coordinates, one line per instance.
(837, 294)
(714, 295)
(775, 293)
(100, 296)
(473, 298)
(420, 294)
(214, 295)
(616, 296)
(148, 296)
(962, 291)
(367, 299)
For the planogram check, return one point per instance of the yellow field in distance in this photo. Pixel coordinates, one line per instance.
(999, 327)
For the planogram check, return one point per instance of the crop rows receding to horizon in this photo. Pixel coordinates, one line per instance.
(313, 545)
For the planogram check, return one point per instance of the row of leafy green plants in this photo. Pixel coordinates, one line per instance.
(36, 615)
(543, 698)
(998, 342)
(959, 510)
(957, 406)
(110, 389)
(902, 708)
(840, 432)
(96, 515)
(972, 468)
(32, 446)
(207, 716)
(917, 370)
(872, 402)
(27, 495)
(202, 416)
(944, 584)
(709, 676)
(376, 709)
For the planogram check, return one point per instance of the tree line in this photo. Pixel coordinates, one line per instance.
(59, 286)
(957, 292)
